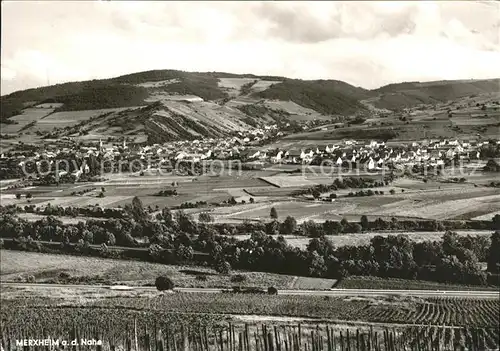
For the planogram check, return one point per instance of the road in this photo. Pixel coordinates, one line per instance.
(332, 292)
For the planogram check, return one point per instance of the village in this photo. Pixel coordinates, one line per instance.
(253, 149)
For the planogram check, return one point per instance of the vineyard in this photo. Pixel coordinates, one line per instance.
(202, 322)
(141, 333)
(457, 312)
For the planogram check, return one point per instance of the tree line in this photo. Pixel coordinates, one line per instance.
(176, 237)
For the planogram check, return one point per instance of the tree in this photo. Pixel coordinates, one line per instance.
(344, 222)
(364, 222)
(18, 196)
(184, 253)
(252, 200)
(496, 222)
(322, 245)
(311, 229)
(29, 196)
(356, 228)
(110, 239)
(167, 216)
(163, 283)
(491, 166)
(223, 267)
(155, 252)
(316, 194)
(205, 217)
(392, 191)
(103, 250)
(273, 213)
(317, 267)
(289, 225)
(138, 212)
(493, 256)
(186, 222)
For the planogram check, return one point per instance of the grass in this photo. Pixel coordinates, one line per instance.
(361, 282)
(48, 266)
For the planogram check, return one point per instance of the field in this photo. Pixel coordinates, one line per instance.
(46, 267)
(32, 217)
(70, 118)
(29, 115)
(232, 86)
(360, 282)
(412, 198)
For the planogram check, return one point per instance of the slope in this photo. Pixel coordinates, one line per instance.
(398, 96)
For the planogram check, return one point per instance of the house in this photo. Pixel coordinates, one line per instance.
(180, 156)
(450, 153)
(306, 156)
(250, 154)
(277, 158)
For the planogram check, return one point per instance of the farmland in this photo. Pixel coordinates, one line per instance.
(282, 221)
(306, 319)
(412, 199)
(47, 267)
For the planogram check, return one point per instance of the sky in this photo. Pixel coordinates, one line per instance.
(367, 44)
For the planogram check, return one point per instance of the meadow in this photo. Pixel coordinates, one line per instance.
(16, 265)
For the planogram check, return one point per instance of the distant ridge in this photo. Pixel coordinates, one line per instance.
(212, 104)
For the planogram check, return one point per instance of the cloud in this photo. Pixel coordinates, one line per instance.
(364, 43)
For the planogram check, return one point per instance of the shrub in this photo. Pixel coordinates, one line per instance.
(201, 277)
(163, 283)
(238, 278)
(272, 290)
(30, 279)
(64, 276)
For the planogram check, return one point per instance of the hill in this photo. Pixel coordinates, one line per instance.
(398, 96)
(189, 105)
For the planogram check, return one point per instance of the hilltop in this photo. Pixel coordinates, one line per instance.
(173, 105)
